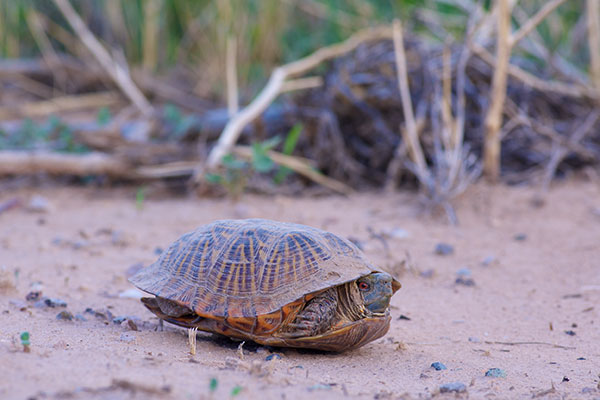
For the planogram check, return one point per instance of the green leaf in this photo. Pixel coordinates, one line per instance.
(214, 383)
(260, 160)
(269, 144)
(25, 338)
(140, 196)
(103, 116)
(292, 139)
(236, 390)
(230, 162)
(213, 178)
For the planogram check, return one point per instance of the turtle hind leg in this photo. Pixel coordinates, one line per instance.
(172, 312)
(316, 317)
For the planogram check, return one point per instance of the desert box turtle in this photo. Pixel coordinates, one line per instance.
(278, 284)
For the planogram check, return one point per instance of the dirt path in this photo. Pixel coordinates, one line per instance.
(526, 295)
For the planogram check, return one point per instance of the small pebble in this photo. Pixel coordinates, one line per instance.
(488, 261)
(55, 302)
(33, 296)
(519, 237)
(464, 281)
(581, 359)
(438, 366)
(473, 339)
(565, 379)
(65, 316)
(404, 317)
(158, 251)
(127, 337)
(457, 387)
(463, 272)
(273, 356)
(570, 333)
(132, 325)
(38, 204)
(496, 373)
(444, 249)
(428, 273)
(119, 319)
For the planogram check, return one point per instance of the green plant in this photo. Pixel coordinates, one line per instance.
(233, 178)
(177, 123)
(288, 148)
(212, 385)
(236, 391)
(25, 341)
(140, 196)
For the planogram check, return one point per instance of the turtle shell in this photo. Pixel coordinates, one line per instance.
(246, 268)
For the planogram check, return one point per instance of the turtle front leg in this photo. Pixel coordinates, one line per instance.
(316, 317)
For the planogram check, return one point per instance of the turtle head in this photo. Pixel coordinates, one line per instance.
(377, 290)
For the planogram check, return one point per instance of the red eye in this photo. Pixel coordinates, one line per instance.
(363, 286)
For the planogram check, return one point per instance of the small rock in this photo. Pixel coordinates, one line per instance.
(273, 356)
(54, 302)
(565, 379)
(127, 337)
(488, 260)
(33, 296)
(464, 281)
(119, 319)
(496, 373)
(132, 325)
(519, 237)
(443, 249)
(80, 317)
(581, 359)
(463, 272)
(438, 366)
(65, 316)
(38, 204)
(457, 387)
(404, 317)
(473, 339)
(399, 233)
(428, 273)
(570, 333)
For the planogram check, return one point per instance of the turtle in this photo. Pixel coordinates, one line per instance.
(278, 284)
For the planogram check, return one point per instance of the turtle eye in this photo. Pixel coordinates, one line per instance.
(364, 286)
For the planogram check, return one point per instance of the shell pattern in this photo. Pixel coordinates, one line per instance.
(245, 268)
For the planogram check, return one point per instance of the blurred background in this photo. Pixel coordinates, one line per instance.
(152, 84)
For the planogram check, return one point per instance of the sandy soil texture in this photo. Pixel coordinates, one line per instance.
(520, 292)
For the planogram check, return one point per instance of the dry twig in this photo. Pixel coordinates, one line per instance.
(274, 85)
(116, 71)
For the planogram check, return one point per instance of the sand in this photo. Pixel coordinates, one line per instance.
(527, 301)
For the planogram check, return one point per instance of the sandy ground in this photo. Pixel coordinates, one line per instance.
(533, 311)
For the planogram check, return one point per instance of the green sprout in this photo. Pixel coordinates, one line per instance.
(25, 341)
(140, 196)
(236, 390)
(212, 386)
